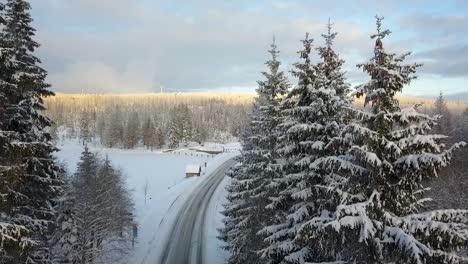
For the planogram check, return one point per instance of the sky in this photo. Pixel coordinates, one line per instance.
(137, 46)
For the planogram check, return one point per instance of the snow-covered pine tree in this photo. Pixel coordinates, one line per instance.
(250, 187)
(314, 117)
(115, 206)
(388, 155)
(462, 130)
(160, 137)
(237, 233)
(180, 127)
(280, 234)
(149, 134)
(29, 174)
(132, 131)
(444, 123)
(174, 133)
(85, 128)
(185, 124)
(101, 129)
(11, 234)
(102, 208)
(65, 242)
(115, 129)
(84, 205)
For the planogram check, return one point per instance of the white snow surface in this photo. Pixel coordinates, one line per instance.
(164, 172)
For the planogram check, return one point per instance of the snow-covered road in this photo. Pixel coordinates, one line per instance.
(186, 242)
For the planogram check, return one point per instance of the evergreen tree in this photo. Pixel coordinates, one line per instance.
(180, 127)
(101, 209)
(388, 153)
(149, 134)
(115, 129)
(132, 131)
(160, 137)
(296, 107)
(246, 213)
(313, 117)
(101, 129)
(85, 129)
(29, 174)
(463, 126)
(66, 246)
(444, 123)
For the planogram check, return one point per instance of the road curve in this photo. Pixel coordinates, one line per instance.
(185, 243)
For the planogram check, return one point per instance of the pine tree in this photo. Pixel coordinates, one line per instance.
(281, 233)
(101, 129)
(132, 131)
(160, 137)
(85, 208)
(149, 134)
(29, 175)
(115, 129)
(444, 123)
(180, 127)
(85, 130)
(249, 193)
(101, 209)
(11, 234)
(388, 153)
(66, 246)
(313, 118)
(463, 126)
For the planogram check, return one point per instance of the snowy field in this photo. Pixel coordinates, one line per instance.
(164, 173)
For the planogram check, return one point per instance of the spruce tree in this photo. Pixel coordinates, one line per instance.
(296, 130)
(180, 127)
(115, 129)
(444, 123)
(11, 234)
(132, 131)
(462, 130)
(313, 117)
(30, 181)
(250, 191)
(85, 128)
(149, 134)
(388, 154)
(66, 243)
(101, 209)
(160, 137)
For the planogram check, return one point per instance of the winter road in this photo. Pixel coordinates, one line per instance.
(186, 241)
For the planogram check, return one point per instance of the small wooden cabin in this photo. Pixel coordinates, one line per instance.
(193, 170)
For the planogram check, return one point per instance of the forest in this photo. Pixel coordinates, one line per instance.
(328, 172)
(150, 120)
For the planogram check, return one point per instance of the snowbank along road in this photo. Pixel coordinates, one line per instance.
(185, 244)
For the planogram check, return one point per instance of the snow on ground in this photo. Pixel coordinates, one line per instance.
(164, 172)
(214, 252)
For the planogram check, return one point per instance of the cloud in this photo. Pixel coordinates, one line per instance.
(446, 51)
(451, 60)
(96, 77)
(207, 50)
(130, 46)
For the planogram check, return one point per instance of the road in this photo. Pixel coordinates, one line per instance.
(186, 241)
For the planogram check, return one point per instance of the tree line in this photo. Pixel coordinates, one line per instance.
(320, 180)
(153, 120)
(46, 215)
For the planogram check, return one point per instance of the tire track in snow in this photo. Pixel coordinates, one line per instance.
(186, 241)
(155, 234)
